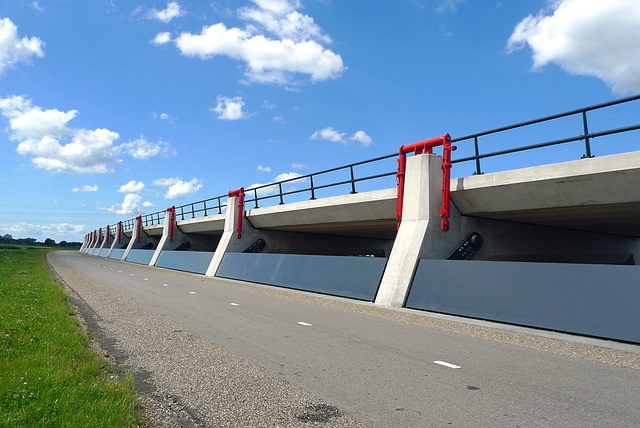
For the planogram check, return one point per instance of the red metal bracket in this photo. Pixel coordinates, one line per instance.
(119, 230)
(107, 236)
(171, 211)
(139, 221)
(420, 147)
(239, 193)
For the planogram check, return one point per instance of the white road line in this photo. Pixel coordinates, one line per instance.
(130, 274)
(234, 304)
(192, 292)
(166, 285)
(146, 279)
(306, 324)
(451, 366)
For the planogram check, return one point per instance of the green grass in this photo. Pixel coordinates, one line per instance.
(49, 375)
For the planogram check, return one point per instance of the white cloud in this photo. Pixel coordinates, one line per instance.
(148, 204)
(142, 149)
(178, 188)
(85, 188)
(58, 232)
(362, 138)
(165, 182)
(161, 38)
(329, 134)
(298, 166)
(129, 206)
(37, 7)
(229, 108)
(13, 49)
(132, 187)
(272, 189)
(54, 146)
(279, 43)
(586, 37)
(172, 10)
(282, 19)
(264, 168)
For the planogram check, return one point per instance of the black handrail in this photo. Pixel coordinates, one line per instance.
(216, 204)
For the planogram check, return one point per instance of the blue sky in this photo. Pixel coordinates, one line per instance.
(110, 108)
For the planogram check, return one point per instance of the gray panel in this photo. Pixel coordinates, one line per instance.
(103, 252)
(142, 257)
(354, 277)
(594, 300)
(117, 253)
(189, 261)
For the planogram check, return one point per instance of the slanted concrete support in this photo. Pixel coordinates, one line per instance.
(116, 238)
(96, 241)
(229, 242)
(105, 238)
(172, 236)
(137, 226)
(419, 235)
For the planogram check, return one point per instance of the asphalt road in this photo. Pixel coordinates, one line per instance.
(382, 371)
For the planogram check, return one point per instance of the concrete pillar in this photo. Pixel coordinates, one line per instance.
(137, 224)
(229, 242)
(420, 235)
(96, 241)
(116, 233)
(167, 242)
(104, 242)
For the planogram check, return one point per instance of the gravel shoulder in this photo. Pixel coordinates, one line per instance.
(184, 379)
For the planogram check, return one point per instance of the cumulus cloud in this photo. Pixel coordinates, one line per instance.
(278, 44)
(178, 188)
(271, 187)
(586, 37)
(85, 188)
(362, 138)
(58, 232)
(329, 134)
(132, 187)
(14, 49)
(54, 146)
(229, 108)
(142, 149)
(161, 38)
(173, 10)
(129, 206)
(281, 18)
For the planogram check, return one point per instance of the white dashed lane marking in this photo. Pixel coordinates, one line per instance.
(306, 324)
(443, 363)
(192, 292)
(234, 304)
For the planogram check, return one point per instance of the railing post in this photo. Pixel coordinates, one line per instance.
(219, 205)
(255, 195)
(477, 155)
(313, 191)
(587, 145)
(205, 208)
(280, 188)
(353, 181)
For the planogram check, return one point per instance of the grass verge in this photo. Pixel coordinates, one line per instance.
(49, 374)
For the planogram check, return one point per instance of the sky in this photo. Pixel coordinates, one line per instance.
(110, 109)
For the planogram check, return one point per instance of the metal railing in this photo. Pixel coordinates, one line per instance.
(278, 191)
(586, 136)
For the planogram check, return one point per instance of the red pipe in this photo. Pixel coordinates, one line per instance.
(420, 147)
(139, 220)
(107, 237)
(172, 218)
(239, 193)
(119, 230)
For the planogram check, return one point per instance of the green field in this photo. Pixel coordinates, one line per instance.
(49, 375)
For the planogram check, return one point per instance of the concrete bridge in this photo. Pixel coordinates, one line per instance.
(553, 246)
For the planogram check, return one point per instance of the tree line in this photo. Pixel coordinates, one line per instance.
(8, 239)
